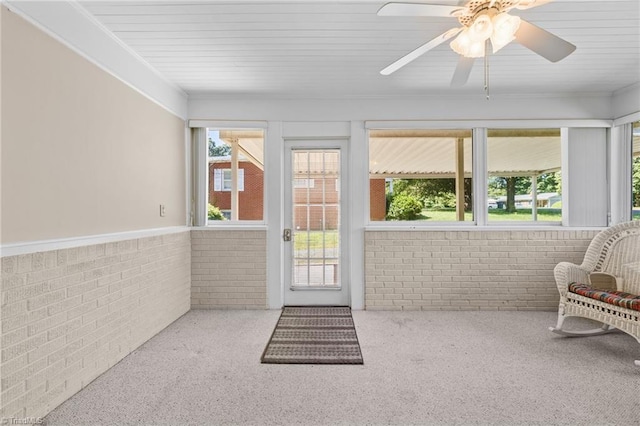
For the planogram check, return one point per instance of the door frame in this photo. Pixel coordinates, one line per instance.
(316, 296)
(355, 132)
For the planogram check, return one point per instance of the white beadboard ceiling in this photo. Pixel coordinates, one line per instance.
(336, 49)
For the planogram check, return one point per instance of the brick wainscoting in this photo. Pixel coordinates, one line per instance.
(229, 269)
(472, 270)
(68, 315)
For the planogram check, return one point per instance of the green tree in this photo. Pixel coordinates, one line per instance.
(635, 182)
(219, 150)
(434, 192)
(550, 182)
(509, 186)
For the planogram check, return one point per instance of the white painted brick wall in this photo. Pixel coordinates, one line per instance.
(229, 269)
(467, 270)
(69, 315)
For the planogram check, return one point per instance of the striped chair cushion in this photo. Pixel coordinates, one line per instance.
(618, 298)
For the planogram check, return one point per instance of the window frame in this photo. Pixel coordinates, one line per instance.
(533, 222)
(200, 172)
(420, 223)
(479, 171)
(359, 131)
(620, 165)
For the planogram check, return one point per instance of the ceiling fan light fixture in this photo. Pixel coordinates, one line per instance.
(465, 46)
(504, 30)
(481, 29)
(476, 50)
(461, 44)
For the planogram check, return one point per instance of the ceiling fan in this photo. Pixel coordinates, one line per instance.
(483, 22)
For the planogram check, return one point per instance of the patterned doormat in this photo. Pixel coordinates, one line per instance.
(313, 335)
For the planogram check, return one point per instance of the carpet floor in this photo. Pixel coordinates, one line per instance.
(443, 368)
(313, 335)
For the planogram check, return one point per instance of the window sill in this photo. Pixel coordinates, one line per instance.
(502, 226)
(232, 226)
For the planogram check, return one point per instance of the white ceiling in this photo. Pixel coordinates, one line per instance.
(336, 49)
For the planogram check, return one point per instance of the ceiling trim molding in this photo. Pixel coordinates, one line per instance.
(627, 119)
(70, 24)
(494, 124)
(228, 124)
(626, 104)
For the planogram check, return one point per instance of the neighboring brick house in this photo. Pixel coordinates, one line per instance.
(377, 199)
(251, 188)
(309, 194)
(251, 195)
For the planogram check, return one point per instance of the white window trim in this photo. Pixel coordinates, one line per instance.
(201, 180)
(620, 165)
(479, 161)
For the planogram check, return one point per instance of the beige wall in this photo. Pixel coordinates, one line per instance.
(470, 270)
(69, 315)
(82, 153)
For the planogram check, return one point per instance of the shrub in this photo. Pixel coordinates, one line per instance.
(214, 213)
(443, 201)
(404, 207)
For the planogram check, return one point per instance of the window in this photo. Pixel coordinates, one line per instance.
(635, 171)
(304, 183)
(236, 175)
(222, 179)
(420, 175)
(524, 168)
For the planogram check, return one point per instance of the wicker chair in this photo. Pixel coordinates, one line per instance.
(606, 286)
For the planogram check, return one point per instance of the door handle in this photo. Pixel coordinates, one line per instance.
(286, 235)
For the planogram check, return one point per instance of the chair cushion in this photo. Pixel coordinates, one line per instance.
(618, 298)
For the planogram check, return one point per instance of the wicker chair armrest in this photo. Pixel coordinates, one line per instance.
(566, 273)
(605, 281)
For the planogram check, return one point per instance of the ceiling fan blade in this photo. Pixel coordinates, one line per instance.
(542, 42)
(461, 75)
(420, 51)
(528, 4)
(414, 9)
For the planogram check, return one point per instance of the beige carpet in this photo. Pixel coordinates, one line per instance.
(489, 368)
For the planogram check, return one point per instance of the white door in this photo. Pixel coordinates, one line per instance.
(315, 224)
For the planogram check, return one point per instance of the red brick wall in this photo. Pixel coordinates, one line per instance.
(314, 196)
(377, 199)
(250, 201)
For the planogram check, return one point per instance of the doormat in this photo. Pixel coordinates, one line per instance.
(313, 335)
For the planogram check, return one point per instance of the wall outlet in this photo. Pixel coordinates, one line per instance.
(161, 210)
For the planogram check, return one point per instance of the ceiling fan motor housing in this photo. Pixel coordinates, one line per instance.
(468, 14)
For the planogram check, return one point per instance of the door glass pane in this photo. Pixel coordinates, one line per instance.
(316, 218)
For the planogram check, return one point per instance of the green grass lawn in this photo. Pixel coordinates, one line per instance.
(449, 215)
(313, 240)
